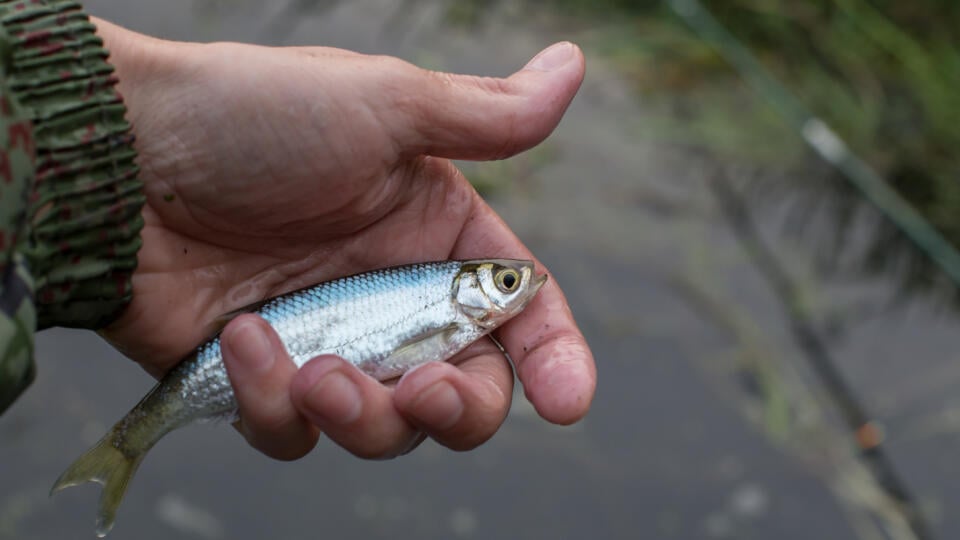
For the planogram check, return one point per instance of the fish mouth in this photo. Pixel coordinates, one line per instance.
(535, 282)
(539, 281)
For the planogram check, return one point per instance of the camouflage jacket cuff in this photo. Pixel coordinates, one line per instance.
(83, 215)
(18, 319)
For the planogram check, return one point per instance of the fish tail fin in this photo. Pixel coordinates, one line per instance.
(108, 466)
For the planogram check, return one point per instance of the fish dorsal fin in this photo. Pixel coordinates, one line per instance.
(217, 325)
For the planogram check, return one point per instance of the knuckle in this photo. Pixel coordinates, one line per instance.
(465, 442)
(284, 443)
(291, 452)
(376, 451)
(266, 419)
(379, 442)
(474, 429)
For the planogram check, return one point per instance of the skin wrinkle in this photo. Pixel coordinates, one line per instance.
(510, 143)
(427, 131)
(441, 194)
(370, 436)
(490, 409)
(158, 189)
(491, 89)
(546, 332)
(491, 377)
(498, 88)
(155, 164)
(441, 181)
(378, 203)
(552, 374)
(280, 448)
(314, 53)
(358, 244)
(362, 114)
(292, 272)
(490, 385)
(453, 199)
(271, 414)
(208, 302)
(265, 284)
(176, 242)
(418, 208)
(296, 225)
(360, 263)
(219, 229)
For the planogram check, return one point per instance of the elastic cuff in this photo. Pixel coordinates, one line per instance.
(84, 212)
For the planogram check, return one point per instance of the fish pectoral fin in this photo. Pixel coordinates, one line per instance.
(413, 351)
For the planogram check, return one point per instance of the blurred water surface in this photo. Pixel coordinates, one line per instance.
(707, 422)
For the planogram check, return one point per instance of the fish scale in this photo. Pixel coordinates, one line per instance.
(385, 322)
(311, 322)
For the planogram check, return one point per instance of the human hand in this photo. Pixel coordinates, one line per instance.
(269, 169)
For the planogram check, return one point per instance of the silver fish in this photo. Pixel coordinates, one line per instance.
(384, 322)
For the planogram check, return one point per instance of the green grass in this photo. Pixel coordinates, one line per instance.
(884, 74)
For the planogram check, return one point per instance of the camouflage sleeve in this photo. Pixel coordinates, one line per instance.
(70, 198)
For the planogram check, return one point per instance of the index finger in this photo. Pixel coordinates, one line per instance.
(552, 358)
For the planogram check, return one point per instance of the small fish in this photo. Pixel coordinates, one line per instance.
(384, 322)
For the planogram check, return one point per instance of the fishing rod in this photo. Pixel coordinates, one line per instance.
(829, 146)
(867, 434)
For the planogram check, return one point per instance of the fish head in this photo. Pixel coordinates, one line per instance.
(490, 291)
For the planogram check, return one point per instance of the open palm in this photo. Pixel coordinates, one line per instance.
(267, 170)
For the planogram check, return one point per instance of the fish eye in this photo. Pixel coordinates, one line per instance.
(507, 280)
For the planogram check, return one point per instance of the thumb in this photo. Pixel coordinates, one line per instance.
(481, 118)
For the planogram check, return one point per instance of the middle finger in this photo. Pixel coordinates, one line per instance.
(351, 408)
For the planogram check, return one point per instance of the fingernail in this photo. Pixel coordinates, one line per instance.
(336, 398)
(552, 57)
(251, 348)
(439, 406)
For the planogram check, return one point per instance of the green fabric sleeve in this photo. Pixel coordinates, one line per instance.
(18, 318)
(72, 231)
